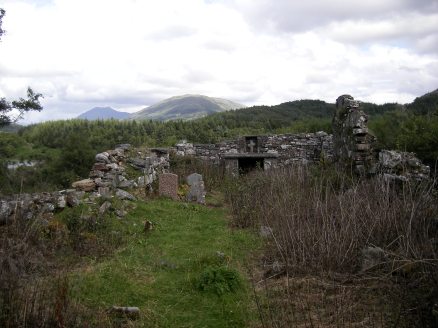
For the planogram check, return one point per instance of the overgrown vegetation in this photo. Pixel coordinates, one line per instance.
(68, 270)
(366, 250)
(36, 257)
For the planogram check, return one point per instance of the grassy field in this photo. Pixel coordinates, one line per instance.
(188, 271)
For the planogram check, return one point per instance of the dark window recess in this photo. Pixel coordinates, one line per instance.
(249, 164)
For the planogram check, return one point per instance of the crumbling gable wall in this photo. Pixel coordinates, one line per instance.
(353, 144)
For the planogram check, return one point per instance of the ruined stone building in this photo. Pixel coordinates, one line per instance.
(352, 145)
(265, 152)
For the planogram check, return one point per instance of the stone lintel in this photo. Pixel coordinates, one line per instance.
(160, 150)
(249, 155)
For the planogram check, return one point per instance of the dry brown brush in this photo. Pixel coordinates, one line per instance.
(379, 236)
(35, 258)
(213, 175)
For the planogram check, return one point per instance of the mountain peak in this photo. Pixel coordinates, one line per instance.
(103, 113)
(185, 107)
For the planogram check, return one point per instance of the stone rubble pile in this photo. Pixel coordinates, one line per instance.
(150, 166)
(31, 206)
(108, 172)
(107, 179)
(185, 148)
(401, 166)
(108, 175)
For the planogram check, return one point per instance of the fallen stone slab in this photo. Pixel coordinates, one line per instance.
(122, 194)
(130, 312)
(123, 146)
(103, 158)
(105, 207)
(84, 185)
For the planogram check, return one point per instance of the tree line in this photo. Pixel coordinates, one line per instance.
(66, 148)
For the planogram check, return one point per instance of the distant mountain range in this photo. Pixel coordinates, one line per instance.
(103, 113)
(186, 107)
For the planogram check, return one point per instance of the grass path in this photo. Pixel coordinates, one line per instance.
(160, 271)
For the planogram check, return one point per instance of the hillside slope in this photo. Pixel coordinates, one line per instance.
(186, 107)
(286, 114)
(425, 104)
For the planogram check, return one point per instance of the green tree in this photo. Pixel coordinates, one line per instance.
(73, 163)
(11, 112)
(2, 13)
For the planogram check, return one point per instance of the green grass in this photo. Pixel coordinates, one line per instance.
(160, 271)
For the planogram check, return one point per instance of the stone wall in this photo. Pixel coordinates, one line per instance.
(288, 148)
(108, 178)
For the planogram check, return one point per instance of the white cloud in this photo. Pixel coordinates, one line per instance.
(132, 53)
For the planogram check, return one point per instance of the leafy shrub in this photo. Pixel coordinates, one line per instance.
(219, 280)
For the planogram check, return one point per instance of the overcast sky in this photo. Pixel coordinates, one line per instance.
(129, 54)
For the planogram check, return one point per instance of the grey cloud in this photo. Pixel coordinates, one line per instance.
(297, 16)
(428, 43)
(413, 30)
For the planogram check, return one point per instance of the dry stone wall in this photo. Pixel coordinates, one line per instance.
(108, 178)
(288, 148)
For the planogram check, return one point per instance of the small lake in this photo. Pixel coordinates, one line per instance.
(16, 165)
